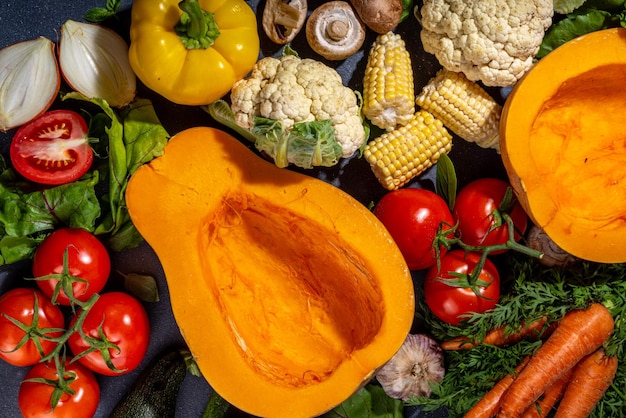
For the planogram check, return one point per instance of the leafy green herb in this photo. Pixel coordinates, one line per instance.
(217, 407)
(370, 401)
(26, 216)
(535, 291)
(95, 202)
(144, 287)
(100, 14)
(446, 182)
(134, 138)
(591, 16)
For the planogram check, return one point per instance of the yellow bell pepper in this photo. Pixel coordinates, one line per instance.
(192, 51)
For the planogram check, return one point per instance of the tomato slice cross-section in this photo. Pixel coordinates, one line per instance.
(53, 149)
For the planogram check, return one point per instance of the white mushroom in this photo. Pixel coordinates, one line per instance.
(283, 19)
(334, 30)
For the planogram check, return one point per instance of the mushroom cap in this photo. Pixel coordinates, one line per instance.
(334, 30)
(283, 20)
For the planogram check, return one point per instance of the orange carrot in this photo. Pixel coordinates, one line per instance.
(498, 336)
(488, 405)
(544, 404)
(579, 333)
(591, 378)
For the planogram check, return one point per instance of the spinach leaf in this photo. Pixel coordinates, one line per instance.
(134, 138)
(370, 401)
(27, 216)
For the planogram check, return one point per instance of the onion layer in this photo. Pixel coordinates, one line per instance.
(29, 81)
(94, 62)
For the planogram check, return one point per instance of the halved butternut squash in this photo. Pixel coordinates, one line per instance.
(563, 144)
(288, 292)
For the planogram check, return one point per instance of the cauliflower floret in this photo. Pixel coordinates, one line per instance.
(493, 41)
(290, 89)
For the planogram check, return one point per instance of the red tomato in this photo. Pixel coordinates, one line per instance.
(475, 210)
(53, 148)
(124, 322)
(35, 397)
(88, 260)
(413, 217)
(19, 305)
(449, 302)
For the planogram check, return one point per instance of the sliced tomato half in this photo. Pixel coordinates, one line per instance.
(53, 148)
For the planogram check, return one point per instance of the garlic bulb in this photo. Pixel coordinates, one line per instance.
(94, 62)
(29, 81)
(417, 364)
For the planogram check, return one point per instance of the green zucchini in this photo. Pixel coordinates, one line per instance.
(155, 391)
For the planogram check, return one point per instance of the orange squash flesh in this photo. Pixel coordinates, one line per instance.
(289, 293)
(563, 145)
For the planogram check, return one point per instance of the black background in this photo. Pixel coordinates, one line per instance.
(28, 19)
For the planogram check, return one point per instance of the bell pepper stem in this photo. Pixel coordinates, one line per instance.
(197, 28)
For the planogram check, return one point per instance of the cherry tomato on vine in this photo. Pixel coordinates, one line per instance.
(448, 300)
(36, 397)
(52, 149)
(88, 264)
(126, 328)
(27, 317)
(413, 218)
(478, 208)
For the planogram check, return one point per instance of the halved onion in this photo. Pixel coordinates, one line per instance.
(29, 81)
(94, 62)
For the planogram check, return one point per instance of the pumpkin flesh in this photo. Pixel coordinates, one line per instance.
(289, 293)
(564, 145)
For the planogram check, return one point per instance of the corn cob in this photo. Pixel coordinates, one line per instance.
(399, 155)
(388, 89)
(463, 106)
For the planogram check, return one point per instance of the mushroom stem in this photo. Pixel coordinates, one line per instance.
(337, 29)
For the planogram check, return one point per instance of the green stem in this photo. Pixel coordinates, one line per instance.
(78, 324)
(197, 28)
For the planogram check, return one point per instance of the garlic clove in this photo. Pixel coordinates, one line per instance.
(94, 61)
(410, 372)
(29, 81)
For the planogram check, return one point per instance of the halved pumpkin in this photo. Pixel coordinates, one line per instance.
(563, 144)
(289, 293)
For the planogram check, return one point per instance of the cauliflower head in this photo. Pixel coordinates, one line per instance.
(493, 41)
(291, 89)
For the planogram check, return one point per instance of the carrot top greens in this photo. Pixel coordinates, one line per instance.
(534, 291)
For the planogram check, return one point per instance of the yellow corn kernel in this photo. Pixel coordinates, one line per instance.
(399, 155)
(463, 106)
(388, 89)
